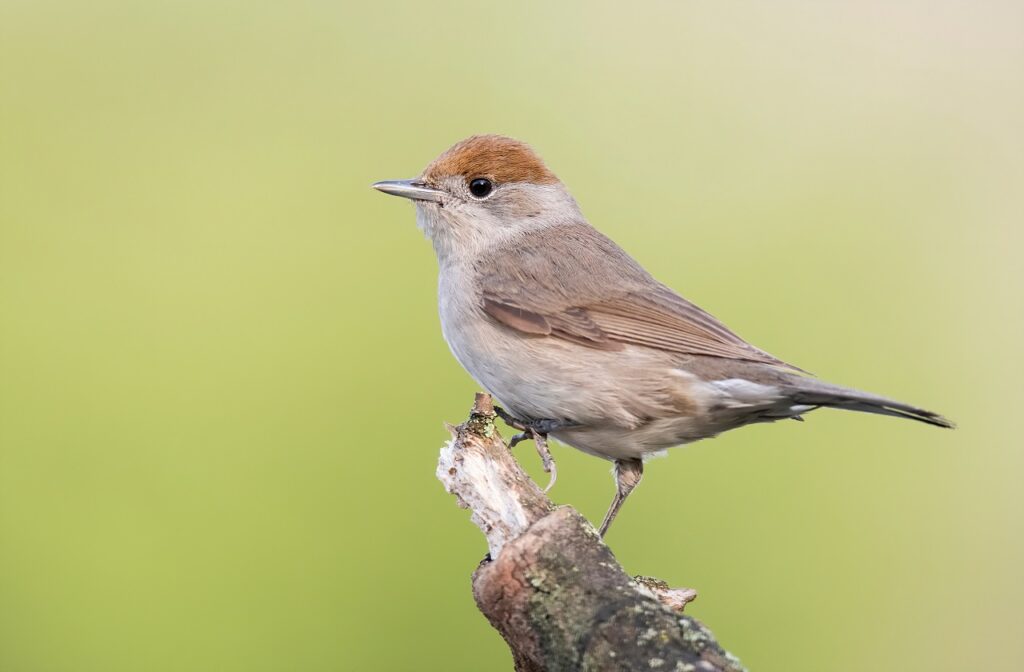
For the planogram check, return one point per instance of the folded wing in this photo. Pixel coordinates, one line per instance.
(573, 283)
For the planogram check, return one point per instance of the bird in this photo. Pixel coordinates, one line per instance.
(574, 338)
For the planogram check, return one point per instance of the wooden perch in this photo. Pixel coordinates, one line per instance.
(550, 586)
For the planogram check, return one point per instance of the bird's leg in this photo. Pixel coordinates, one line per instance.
(627, 474)
(538, 431)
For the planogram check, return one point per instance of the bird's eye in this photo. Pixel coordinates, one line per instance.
(480, 187)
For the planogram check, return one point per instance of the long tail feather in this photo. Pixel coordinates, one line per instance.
(817, 393)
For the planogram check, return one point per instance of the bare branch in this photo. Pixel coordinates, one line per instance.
(550, 586)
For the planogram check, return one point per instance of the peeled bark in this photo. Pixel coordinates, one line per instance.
(550, 585)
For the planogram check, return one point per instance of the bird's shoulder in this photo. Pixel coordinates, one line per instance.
(559, 266)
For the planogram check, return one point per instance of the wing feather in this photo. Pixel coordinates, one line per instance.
(602, 298)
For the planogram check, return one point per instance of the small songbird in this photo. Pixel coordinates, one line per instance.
(574, 338)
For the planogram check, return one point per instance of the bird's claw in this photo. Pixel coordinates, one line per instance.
(546, 459)
(538, 431)
(510, 419)
(540, 440)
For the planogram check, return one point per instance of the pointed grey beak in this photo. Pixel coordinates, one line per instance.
(413, 189)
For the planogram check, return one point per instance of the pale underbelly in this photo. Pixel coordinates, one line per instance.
(628, 403)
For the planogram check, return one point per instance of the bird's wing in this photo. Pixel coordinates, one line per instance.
(602, 298)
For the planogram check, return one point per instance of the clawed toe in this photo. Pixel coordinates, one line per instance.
(510, 419)
(540, 440)
(538, 431)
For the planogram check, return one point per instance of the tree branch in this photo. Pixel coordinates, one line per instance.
(550, 586)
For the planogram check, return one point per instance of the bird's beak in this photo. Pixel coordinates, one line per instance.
(413, 189)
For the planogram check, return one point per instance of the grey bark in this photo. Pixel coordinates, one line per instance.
(550, 586)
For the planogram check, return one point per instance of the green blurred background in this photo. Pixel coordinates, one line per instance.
(222, 381)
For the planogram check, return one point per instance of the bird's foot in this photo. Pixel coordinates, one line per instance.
(537, 430)
(538, 426)
(541, 442)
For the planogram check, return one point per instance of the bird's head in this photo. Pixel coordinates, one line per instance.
(482, 191)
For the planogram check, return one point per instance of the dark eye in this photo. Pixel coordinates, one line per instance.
(480, 187)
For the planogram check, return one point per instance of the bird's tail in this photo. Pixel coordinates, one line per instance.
(810, 392)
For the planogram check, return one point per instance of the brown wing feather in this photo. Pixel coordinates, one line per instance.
(572, 324)
(518, 318)
(603, 298)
